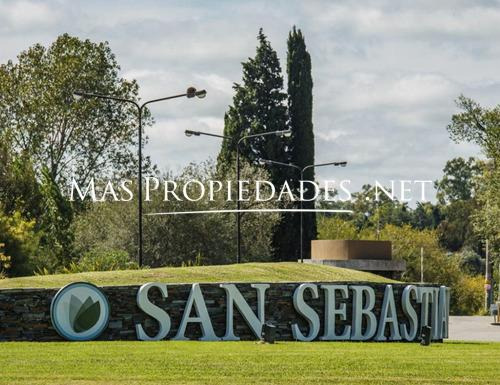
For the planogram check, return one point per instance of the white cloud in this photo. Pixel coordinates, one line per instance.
(385, 73)
(22, 14)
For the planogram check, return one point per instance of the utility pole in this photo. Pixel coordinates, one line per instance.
(487, 280)
(421, 265)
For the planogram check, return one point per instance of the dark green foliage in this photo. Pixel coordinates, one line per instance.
(458, 182)
(259, 107)
(19, 245)
(19, 189)
(456, 195)
(300, 105)
(426, 216)
(55, 222)
(456, 230)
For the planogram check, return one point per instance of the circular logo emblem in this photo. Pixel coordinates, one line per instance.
(79, 311)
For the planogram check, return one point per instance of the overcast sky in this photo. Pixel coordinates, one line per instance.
(385, 75)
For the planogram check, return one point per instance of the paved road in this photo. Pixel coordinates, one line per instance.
(475, 328)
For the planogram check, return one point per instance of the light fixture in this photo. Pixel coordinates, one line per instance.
(192, 92)
(201, 94)
(191, 133)
(284, 133)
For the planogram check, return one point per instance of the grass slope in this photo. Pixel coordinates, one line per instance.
(245, 272)
(219, 363)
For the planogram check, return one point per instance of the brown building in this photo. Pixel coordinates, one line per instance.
(371, 256)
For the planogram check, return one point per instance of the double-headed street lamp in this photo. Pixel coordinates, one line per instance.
(280, 133)
(301, 170)
(190, 93)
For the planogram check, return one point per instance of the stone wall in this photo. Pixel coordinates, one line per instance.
(25, 313)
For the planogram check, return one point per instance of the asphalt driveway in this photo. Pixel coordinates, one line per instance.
(473, 328)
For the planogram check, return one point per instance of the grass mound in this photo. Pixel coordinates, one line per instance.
(245, 272)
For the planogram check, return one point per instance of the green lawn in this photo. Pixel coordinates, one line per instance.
(245, 272)
(219, 363)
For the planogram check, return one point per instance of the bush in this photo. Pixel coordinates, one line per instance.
(467, 297)
(97, 260)
(20, 245)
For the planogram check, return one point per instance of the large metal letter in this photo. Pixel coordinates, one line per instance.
(388, 314)
(152, 310)
(306, 311)
(234, 297)
(444, 311)
(410, 313)
(202, 317)
(331, 312)
(425, 294)
(358, 311)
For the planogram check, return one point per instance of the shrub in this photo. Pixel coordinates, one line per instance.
(99, 260)
(468, 295)
(20, 244)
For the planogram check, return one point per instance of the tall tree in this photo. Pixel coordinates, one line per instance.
(482, 126)
(38, 115)
(300, 105)
(258, 107)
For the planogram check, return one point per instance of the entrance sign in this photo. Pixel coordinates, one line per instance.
(308, 311)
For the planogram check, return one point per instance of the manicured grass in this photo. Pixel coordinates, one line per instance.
(169, 362)
(245, 272)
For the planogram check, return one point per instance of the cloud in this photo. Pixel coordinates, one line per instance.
(385, 73)
(27, 14)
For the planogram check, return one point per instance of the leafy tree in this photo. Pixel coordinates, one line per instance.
(478, 125)
(439, 266)
(486, 218)
(481, 126)
(259, 107)
(458, 181)
(300, 104)
(39, 117)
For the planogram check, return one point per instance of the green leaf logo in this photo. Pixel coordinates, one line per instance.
(83, 316)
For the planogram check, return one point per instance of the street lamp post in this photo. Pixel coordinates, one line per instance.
(302, 170)
(282, 133)
(190, 93)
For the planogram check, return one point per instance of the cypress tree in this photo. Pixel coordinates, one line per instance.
(300, 103)
(259, 105)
